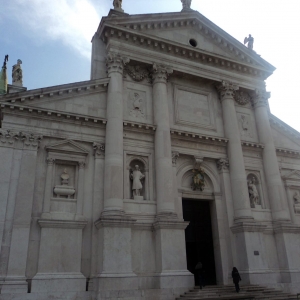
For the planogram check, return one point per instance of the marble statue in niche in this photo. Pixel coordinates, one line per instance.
(253, 192)
(137, 109)
(137, 186)
(64, 190)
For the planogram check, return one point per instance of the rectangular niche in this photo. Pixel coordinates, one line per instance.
(193, 107)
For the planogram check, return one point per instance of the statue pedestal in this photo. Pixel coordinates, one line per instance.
(138, 198)
(258, 206)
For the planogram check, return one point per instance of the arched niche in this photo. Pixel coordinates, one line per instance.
(254, 185)
(143, 163)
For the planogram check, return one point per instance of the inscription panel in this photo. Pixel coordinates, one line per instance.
(193, 107)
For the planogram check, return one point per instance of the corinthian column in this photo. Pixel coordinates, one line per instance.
(241, 203)
(271, 167)
(163, 155)
(113, 178)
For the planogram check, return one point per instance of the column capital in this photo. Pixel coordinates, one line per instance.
(260, 98)
(160, 73)
(227, 90)
(81, 164)
(223, 164)
(50, 161)
(175, 155)
(116, 62)
(99, 150)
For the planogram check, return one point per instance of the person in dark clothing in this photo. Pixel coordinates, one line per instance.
(236, 278)
(200, 274)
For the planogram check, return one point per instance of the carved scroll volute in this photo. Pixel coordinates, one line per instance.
(160, 73)
(223, 164)
(260, 98)
(99, 150)
(227, 90)
(116, 62)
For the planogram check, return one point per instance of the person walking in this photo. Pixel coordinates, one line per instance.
(200, 274)
(236, 278)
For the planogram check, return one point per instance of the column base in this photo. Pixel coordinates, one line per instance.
(64, 282)
(14, 285)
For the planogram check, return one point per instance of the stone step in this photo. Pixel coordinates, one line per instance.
(247, 292)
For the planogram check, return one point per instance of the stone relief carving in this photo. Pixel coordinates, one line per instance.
(64, 190)
(137, 105)
(223, 164)
(198, 182)
(253, 192)
(175, 155)
(242, 97)
(137, 185)
(137, 73)
(245, 127)
(17, 74)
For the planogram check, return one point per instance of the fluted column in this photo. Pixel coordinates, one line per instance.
(113, 178)
(241, 203)
(271, 167)
(163, 155)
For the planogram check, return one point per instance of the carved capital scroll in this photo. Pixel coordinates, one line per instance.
(161, 73)
(116, 63)
(99, 150)
(260, 98)
(227, 90)
(50, 161)
(223, 164)
(31, 141)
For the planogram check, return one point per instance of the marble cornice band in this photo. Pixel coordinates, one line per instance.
(116, 62)
(160, 73)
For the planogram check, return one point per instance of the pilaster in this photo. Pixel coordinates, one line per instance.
(15, 281)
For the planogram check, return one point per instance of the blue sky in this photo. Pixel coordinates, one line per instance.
(52, 38)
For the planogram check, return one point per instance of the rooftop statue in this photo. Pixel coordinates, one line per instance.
(118, 5)
(186, 5)
(17, 74)
(250, 41)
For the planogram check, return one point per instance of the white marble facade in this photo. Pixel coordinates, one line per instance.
(93, 174)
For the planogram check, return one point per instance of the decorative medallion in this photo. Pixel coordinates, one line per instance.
(198, 179)
(242, 97)
(137, 73)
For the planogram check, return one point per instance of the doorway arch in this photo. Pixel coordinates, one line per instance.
(209, 200)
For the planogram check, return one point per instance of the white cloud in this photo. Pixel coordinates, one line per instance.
(73, 22)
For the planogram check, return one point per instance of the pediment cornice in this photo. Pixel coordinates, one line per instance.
(137, 29)
(59, 91)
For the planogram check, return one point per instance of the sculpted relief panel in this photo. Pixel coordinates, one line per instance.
(193, 108)
(245, 125)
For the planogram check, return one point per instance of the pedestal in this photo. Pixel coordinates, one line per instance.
(59, 262)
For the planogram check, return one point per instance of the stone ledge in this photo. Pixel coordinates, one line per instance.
(115, 221)
(286, 228)
(248, 227)
(170, 224)
(68, 224)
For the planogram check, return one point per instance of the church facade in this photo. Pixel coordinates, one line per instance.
(117, 186)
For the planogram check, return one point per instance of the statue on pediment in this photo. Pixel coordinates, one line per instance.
(17, 73)
(250, 41)
(117, 5)
(186, 4)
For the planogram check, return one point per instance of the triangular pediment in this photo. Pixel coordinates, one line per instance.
(294, 175)
(179, 28)
(67, 146)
